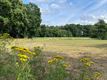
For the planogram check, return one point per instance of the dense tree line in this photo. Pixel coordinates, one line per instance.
(23, 20)
(53, 31)
(98, 30)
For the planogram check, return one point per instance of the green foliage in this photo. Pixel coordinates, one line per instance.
(51, 31)
(34, 17)
(17, 19)
(7, 64)
(38, 64)
(57, 69)
(101, 30)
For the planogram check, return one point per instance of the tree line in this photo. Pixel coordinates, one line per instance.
(24, 20)
(98, 30)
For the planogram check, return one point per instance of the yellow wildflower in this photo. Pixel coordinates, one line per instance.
(97, 75)
(25, 50)
(51, 61)
(23, 60)
(85, 60)
(28, 51)
(66, 65)
(23, 56)
(55, 59)
(59, 57)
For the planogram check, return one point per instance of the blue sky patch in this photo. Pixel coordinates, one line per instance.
(61, 12)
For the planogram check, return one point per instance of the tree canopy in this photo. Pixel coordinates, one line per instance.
(18, 19)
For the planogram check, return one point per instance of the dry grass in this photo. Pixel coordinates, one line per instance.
(72, 48)
(66, 45)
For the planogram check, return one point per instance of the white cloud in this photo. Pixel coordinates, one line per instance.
(44, 11)
(78, 13)
(105, 20)
(38, 1)
(87, 17)
(54, 6)
(91, 19)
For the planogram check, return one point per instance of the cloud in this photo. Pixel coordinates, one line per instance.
(55, 6)
(91, 19)
(44, 11)
(87, 17)
(65, 11)
(34, 1)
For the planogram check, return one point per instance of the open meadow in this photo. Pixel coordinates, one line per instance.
(53, 40)
(72, 49)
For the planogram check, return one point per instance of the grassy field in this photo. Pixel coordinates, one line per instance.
(70, 46)
(73, 48)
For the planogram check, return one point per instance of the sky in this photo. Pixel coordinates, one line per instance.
(61, 12)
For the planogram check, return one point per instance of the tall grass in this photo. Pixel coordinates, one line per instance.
(25, 64)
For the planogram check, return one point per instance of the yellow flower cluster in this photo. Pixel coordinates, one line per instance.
(23, 57)
(59, 57)
(97, 75)
(87, 62)
(51, 61)
(66, 65)
(85, 59)
(25, 50)
(23, 53)
(55, 59)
